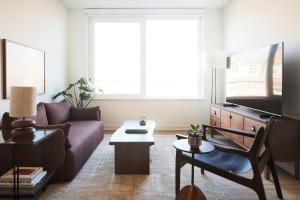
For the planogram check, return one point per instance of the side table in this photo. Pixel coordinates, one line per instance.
(183, 146)
(38, 137)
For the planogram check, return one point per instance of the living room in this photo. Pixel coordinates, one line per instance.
(168, 64)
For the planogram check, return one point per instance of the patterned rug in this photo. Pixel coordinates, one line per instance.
(97, 180)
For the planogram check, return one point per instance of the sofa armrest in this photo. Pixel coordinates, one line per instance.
(92, 113)
(64, 127)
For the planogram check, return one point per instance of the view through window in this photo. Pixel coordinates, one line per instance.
(148, 58)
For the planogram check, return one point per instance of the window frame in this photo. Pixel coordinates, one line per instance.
(140, 16)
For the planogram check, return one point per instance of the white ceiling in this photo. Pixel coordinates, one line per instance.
(80, 4)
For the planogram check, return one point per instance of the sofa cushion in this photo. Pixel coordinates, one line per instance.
(41, 115)
(58, 113)
(83, 131)
(84, 137)
(92, 113)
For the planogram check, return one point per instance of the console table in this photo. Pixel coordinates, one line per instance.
(285, 133)
(38, 137)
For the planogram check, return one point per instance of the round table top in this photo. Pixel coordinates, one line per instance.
(183, 145)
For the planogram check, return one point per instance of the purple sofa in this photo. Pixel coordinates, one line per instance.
(81, 130)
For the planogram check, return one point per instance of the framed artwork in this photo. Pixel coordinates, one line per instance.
(22, 66)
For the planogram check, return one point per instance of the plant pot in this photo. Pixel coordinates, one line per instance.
(194, 140)
(142, 123)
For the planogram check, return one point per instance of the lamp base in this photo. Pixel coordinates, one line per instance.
(22, 123)
(26, 133)
(23, 129)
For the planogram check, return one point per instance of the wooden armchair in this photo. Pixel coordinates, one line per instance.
(230, 162)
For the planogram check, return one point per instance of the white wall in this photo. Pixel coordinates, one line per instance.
(41, 24)
(254, 23)
(169, 114)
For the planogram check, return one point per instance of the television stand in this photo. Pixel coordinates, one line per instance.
(285, 132)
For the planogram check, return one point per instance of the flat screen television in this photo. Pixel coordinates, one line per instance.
(254, 79)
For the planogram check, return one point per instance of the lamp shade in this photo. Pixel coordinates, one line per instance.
(23, 101)
(217, 59)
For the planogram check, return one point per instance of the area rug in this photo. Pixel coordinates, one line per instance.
(97, 180)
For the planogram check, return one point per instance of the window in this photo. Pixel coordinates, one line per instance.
(147, 57)
(117, 58)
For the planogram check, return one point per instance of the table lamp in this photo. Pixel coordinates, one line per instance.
(22, 105)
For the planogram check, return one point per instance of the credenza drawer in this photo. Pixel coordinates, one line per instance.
(237, 124)
(225, 121)
(251, 126)
(215, 121)
(214, 111)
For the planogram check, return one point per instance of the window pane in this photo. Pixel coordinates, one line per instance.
(172, 58)
(117, 57)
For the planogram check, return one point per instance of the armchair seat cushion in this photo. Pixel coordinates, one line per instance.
(229, 162)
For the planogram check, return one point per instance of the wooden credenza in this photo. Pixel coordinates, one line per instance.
(233, 118)
(285, 132)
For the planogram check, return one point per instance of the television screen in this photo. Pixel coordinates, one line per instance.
(254, 79)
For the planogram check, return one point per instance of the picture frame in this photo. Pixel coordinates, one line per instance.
(22, 66)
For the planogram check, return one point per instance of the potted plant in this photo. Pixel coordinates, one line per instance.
(194, 136)
(79, 94)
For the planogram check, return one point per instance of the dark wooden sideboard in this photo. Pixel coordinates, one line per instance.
(284, 139)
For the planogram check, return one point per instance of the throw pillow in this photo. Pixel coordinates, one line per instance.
(58, 113)
(92, 113)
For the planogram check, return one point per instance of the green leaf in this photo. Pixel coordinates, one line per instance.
(193, 127)
(85, 87)
(57, 95)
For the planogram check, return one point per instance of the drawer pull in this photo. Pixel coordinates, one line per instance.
(215, 123)
(215, 112)
(230, 117)
(253, 129)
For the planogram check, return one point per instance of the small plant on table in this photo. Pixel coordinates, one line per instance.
(195, 136)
